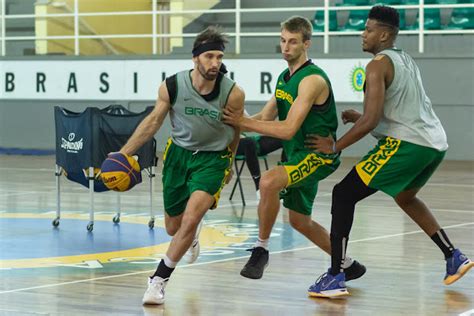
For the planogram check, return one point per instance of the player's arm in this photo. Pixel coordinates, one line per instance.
(151, 124)
(269, 111)
(309, 89)
(235, 103)
(376, 72)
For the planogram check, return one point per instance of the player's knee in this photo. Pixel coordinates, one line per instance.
(404, 200)
(341, 199)
(298, 223)
(190, 222)
(171, 229)
(269, 182)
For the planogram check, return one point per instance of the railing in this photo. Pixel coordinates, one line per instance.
(238, 11)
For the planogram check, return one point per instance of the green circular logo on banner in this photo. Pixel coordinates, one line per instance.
(358, 79)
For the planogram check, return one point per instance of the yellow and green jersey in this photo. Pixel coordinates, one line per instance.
(321, 119)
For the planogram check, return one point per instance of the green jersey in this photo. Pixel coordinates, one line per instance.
(321, 119)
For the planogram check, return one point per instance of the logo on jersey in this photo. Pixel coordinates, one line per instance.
(283, 95)
(215, 115)
(305, 168)
(357, 78)
(367, 169)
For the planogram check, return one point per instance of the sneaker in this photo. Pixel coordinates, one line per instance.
(329, 286)
(192, 253)
(456, 267)
(354, 271)
(155, 293)
(258, 261)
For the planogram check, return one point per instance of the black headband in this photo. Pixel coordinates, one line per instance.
(207, 47)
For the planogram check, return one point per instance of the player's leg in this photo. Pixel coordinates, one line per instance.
(272, 182)
(268, 144)
(172, 223)
(175, 198)
(345, 196)
(312, 230)
(197, 206)
(457, 264)
(175, 191)
(248, 148)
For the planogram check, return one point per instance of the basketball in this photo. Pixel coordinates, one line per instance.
(120, 172)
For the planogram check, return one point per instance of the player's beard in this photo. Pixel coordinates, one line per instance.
(208, 75)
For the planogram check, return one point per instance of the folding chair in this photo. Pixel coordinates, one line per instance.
(238, 172)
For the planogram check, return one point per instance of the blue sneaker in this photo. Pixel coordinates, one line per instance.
(329, 286)
(456, 267)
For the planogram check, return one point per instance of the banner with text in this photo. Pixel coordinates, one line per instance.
(139, 79)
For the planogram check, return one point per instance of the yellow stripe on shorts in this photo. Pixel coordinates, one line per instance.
(304, 168)
(367, 169)
(168, 144)
(227, 171)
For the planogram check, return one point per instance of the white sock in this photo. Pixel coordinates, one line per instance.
(262, 243)
(347, 262)
(169, 263)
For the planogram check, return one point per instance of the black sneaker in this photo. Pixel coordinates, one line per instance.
(258, 261)
(355, 271)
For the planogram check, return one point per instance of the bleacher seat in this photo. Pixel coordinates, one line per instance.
(403, 23)
(354, 3)
(446, 1)
(390, 2)
(356, 21)
(318, 21)
(432, 20)
(461, 19)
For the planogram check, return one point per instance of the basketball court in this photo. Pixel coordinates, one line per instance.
(70, 271)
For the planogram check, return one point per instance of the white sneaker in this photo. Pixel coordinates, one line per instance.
(258, 195)
(192, 253)
(155, 293)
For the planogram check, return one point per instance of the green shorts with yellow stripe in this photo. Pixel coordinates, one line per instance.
(305, 170)
(186, 171)
(394, 166)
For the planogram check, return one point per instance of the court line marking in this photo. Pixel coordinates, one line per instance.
(23, 312)
(317, 204)
(158, 173)
(217, 261)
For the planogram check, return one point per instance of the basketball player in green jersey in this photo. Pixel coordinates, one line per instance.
(304, 104)
(398, 112)
(197, 161)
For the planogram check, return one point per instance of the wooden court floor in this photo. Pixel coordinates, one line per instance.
(70, 271)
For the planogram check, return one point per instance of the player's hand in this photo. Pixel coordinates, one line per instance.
(132, 159)
(350, 116)
(230, 117)
(320, 144)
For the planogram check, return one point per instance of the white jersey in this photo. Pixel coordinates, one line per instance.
(408, 114)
